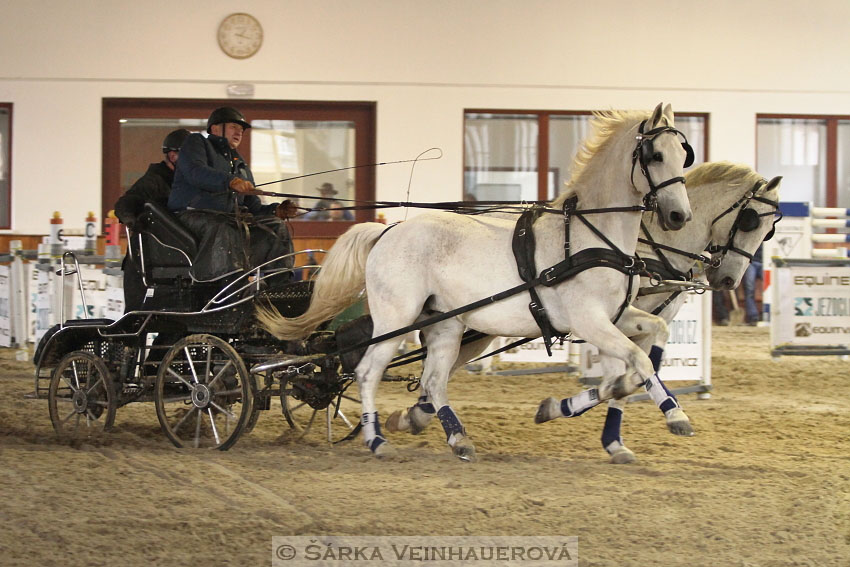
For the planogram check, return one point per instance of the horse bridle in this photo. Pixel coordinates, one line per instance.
(747, 221)
(644, 153)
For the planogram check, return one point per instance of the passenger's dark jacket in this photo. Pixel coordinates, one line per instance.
(204, 171)
(154, 185)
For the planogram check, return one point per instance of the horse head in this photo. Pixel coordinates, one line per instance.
(737, 232)
(661, 155)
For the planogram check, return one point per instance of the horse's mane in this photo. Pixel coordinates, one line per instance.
(731, 175)
(604, 125)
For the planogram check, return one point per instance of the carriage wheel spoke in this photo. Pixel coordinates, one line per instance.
(344, 419)
(89, 414)
(64, 400)
(228, 392)
(175, 399)
(191, 364)
(208, 370)
(220, 373)
(76, 374)
(183, 419)
(222, 410)
(67, 417)
(176, 375)
(101, 403)
(94, 386)
(349, 398)
(212, 424)
(70, 385)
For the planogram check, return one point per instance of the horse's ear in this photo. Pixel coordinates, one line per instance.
(656, 116)
(773, 183)
(668, 114)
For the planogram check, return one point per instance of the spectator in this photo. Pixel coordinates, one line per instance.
(754, 272)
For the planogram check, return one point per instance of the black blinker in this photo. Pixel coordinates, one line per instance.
(647, 151)
(748, 221)
(689, 154)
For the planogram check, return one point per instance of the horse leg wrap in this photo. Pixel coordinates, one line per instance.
(611, 439)
(580, 403)
(659, 393)
(451, 425)
(372, 431)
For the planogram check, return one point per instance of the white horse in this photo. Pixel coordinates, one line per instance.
(734, 210)
(720, 194)
(441, 262)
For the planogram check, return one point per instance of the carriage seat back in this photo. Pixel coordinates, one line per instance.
(168, 247)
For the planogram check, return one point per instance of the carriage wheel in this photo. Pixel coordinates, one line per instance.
(203, 393)
(256, 407)
(81, 397)
(340, 421)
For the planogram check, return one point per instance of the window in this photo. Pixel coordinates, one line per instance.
(5, 165)
(810, 153)
(301, 143)
(506, 151)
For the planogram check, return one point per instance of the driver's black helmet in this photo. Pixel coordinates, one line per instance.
(226, 114)
(174, 140)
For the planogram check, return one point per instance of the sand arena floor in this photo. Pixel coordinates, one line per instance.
(765, 482)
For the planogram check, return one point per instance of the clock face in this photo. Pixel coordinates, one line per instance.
(240, 35)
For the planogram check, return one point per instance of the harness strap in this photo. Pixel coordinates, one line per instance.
(421, 353)
(665, 303)
(524, 246)
(667, 271)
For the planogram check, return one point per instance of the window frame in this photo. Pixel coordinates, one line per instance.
(543, 137)
(361, 113)
(7, 225)
(831, 165)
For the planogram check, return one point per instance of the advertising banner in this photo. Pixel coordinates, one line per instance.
(811, 303)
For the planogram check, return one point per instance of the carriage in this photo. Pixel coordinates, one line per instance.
(210, 383)
(196, 352)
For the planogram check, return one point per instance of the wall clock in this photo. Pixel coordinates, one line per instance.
(240, 35)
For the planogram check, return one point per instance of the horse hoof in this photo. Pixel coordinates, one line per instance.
(384, 450)
(549, 409)
(395, 422)
(464, 450)
(682, 428)
(678, 423)
(622, 456)
(465, 454)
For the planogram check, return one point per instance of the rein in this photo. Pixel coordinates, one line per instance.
(572, 264)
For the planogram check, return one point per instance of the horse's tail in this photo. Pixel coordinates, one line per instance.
(336, 287)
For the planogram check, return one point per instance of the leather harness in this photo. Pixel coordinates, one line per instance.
(524, 246)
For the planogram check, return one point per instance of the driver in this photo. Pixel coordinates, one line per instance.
(211, 195)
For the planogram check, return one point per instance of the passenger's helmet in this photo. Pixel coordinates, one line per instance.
(174, 140)
(226, 114)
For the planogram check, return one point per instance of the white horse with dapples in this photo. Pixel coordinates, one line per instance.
(445, 262)
(734, 212)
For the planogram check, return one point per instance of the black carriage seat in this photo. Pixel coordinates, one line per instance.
(168, 248)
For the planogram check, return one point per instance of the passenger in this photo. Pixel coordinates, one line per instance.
(211, 196)
(154, 186)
